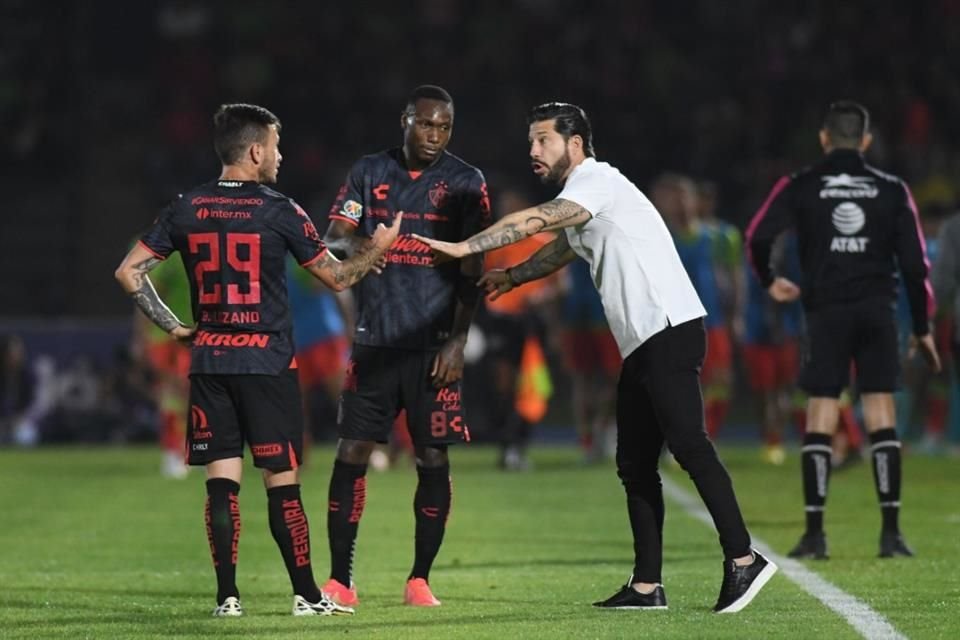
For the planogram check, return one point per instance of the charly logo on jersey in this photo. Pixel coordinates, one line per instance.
(845, 185)
(351, 209)
(848, 218)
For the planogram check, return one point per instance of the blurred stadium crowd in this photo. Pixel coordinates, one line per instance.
(109, 107)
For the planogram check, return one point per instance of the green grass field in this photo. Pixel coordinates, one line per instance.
(95, 544)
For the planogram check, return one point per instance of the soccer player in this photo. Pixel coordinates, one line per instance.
(320, 320)
(592, 359)
(676, 197)
(233, 234)
(855, 225)
(411, 329)
(170, 361)
(657, 319)
(771, 355)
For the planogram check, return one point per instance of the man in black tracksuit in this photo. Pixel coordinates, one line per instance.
(856, 227)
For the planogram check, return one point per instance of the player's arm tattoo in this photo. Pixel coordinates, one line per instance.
(347, 246)
(555, 214)
(146, 297)
(343, 274)
(342, 241)
(546, 260)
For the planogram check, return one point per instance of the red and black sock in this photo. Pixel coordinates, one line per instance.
(431, 505)
(347, 497)
(815, 464)
(885, 452)
(290, 529)
(222, 516)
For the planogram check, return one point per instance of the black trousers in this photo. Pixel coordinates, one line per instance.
(659, 400)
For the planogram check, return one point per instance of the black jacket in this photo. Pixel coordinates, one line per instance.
(856, 227)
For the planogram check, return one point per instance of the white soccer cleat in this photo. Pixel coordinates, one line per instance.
(229, 609)
(325, 607)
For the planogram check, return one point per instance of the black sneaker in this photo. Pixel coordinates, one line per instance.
(811, 546)
(892, 544)
(630, 598)
(742, 584)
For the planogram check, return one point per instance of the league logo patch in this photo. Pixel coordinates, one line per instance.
(439, 193)
(352, 209)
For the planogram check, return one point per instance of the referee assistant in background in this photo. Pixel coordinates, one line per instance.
(856, 226)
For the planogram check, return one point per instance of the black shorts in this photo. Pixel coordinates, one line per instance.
(863, 333)
(228, 410)
(382, 381)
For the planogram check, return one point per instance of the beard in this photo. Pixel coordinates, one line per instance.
(555, 175)
(267, 176)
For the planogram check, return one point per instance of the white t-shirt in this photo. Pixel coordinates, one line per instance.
(633, 261)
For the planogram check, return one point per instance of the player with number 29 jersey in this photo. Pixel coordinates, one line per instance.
(234, 237)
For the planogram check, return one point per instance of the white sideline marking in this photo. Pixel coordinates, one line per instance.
(857, 613)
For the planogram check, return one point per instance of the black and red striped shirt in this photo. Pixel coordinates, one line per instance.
(234, 237)
(856, 228)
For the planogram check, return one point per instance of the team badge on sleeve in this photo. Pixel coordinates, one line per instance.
(352, 209)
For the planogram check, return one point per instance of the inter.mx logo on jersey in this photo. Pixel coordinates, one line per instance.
(203, 213)
(848, 218)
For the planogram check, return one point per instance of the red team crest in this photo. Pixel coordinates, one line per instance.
(439, 193)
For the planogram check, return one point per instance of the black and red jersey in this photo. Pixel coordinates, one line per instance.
(411, 304)
(234, 237)
(856, 227)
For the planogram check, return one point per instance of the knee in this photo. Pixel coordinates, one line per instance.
(691, 452)
(430, 457)
(354, 451)
(635, 476)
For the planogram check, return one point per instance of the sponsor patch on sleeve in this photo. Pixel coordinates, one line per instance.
(352, 209)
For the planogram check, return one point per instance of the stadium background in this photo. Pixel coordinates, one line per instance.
(107, 109)
(108, 106)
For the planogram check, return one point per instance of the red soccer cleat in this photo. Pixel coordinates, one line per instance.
(418, 594)
(342, 595)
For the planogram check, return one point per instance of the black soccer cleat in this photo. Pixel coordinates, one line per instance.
(812, 546)
(630, 598)
(742, 584)
(892, 544)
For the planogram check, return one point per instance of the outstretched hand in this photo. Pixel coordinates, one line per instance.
(443, 251)
(783, 290)
(496, 282)
(385, 236)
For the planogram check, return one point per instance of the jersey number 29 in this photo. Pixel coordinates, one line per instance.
(243, 258)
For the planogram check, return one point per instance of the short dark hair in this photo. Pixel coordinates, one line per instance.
(569, 120)
(237, 126)
(428, 92)
(846, 123)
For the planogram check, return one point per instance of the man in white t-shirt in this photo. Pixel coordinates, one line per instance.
(657, 320)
